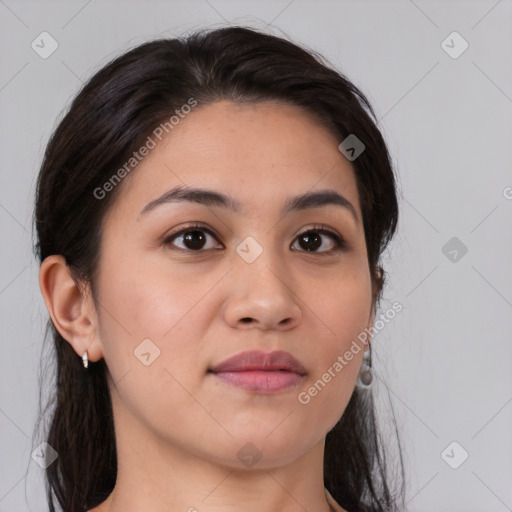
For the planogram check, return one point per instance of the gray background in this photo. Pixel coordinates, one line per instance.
(444, 362)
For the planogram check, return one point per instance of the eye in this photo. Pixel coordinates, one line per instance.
(311, 240)
(194, 238)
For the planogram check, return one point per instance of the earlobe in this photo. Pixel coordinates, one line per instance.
(71, 309)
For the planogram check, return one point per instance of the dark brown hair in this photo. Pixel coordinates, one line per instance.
(109, 119)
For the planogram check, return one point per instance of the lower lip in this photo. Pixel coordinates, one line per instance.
(261, 381)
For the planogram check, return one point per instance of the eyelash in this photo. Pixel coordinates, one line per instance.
(339, 241)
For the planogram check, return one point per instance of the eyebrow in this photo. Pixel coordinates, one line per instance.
(207, 197)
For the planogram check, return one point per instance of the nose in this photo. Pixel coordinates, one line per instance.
(261, 296)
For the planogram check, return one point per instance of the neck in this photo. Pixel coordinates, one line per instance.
(162, 477)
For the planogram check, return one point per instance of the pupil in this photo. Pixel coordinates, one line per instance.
(313, 241)
(194, 239)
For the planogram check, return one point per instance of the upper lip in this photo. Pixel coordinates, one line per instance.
(258, 360)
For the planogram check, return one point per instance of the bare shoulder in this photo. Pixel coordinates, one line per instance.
(332, 503)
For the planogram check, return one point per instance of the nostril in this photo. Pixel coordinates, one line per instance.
(246, 320)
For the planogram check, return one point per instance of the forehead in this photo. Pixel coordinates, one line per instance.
(259, 153)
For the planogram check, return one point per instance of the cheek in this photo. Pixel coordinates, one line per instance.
(148, 301)
(150, 333)
(344, 308)
(142, 312)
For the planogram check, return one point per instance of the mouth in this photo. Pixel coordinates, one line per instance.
(261, 372)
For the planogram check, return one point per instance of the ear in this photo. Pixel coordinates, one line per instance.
(369, 326)
(377, 283)
(71, 309)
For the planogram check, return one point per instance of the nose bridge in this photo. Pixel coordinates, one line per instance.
(261, 292)
(261, 261)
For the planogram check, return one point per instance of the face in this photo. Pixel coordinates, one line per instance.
(184, 285)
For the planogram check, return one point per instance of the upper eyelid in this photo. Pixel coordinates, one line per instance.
(192, 227)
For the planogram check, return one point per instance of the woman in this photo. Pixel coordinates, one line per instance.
(210, 216)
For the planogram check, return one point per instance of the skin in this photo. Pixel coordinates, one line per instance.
(178, 427)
